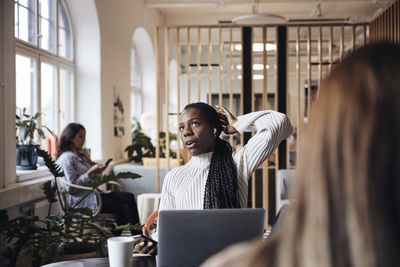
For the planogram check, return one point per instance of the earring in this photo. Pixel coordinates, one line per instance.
(215, 132)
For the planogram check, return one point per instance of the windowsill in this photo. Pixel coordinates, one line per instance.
(41, 171)
(23, 192)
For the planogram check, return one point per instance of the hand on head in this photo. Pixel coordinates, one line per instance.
(227, 120)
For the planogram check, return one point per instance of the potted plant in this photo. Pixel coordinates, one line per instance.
(25, 127)
(141, 144)
(143, 151)
(53, 237)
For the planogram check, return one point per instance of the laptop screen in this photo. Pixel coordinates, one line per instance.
(188, 237)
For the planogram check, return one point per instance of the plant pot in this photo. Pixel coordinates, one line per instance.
(26, 157)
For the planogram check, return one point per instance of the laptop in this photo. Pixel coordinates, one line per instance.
(188, 237)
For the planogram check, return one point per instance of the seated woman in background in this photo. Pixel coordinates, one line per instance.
(347, 191)
(78, 169)
(215, 176)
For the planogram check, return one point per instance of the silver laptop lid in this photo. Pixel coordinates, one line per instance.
(188, 237)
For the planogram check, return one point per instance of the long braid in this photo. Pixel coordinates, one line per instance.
(221, 190)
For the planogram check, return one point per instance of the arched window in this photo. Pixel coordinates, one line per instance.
(44, 61)
(136, 84)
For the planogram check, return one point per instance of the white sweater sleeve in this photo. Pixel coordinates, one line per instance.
(272, 127)
(167, 196)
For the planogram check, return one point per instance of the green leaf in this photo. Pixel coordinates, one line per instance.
(54, 168)
(111, 177)
(40, 132)
(37, 115)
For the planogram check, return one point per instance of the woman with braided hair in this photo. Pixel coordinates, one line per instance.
(215, 176)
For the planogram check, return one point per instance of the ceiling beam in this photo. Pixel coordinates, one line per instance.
(219, 3)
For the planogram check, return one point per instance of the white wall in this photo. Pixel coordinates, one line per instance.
(86, 29)
(118, 21)
(103, 35)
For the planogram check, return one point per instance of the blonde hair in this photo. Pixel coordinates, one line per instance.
(347, 194)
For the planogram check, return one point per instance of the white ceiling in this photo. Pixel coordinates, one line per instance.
(200, 12)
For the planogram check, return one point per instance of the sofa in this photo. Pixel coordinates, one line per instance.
(144, 184)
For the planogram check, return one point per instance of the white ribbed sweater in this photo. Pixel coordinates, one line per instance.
(184, 186)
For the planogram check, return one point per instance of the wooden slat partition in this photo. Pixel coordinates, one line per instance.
(385, 26)
(319, 45)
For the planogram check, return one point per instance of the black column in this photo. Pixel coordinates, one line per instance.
(282, 74)
(246, 71)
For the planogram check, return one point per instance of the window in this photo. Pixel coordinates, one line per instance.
(25, 16)
(44, 61)
(136, 85)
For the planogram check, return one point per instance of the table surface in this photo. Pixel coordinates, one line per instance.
(137, 261)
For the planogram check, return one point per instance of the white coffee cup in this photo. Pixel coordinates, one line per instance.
(120, 251)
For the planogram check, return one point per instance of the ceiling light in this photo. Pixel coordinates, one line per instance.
(255, 67)
(259, 19)
(258, 47)
(255, 77)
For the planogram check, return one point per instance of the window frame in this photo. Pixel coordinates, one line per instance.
(135, 90)
(40, 55)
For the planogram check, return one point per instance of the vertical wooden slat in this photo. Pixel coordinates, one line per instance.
(264, 71)
(265, 173)
(372, 33)
(220, 66)
(157, 110)
(230, 78)
(382, 26)
(398, 20)
(166, 85)
(276, 108)
(253, 176)
(378, 29)
(341, 43)
(178, 90)
(330, 48)
(288, 99)
(386, 25)
(189, 50)
(319, 58)
(241, 90)
(209, 67)
(198, 64)
(365, 34)
(276, 75)
(309, 69)
(391, 24)
(299, 129)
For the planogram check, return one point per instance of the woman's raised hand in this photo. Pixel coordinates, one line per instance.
(227, 120)
(85, 153)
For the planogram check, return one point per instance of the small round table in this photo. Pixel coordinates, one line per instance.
(137, 261)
